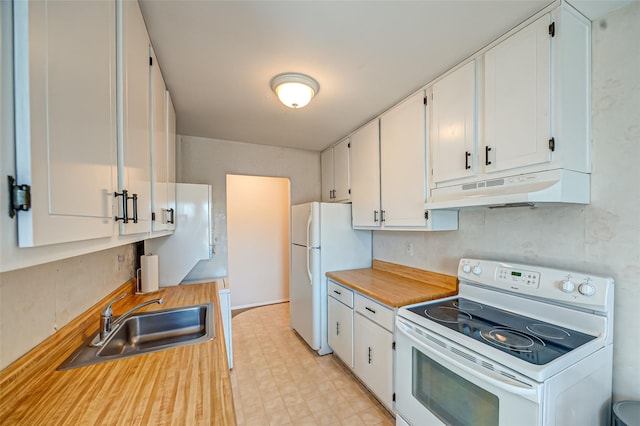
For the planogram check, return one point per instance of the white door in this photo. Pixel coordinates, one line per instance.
(65, 119)
(326, 163)
(134, 133)
(517, 99)
(373, 358)
(365, 176)
(340, 330)
(159, 147)
(403, 163)
(342, 181)
(454, 125)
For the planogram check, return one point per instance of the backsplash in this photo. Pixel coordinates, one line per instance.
(35, 302)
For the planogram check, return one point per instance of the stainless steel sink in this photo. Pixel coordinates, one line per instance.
(148, 332)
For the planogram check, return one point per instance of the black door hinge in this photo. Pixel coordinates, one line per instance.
(393, 398)
(19, 197)
(552, 29)
(426, 215)
(552, 144)
(425, 100)
(150, 61)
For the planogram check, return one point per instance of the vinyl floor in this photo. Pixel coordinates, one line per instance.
(278, 380)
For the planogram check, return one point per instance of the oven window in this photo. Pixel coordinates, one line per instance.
(454, 400)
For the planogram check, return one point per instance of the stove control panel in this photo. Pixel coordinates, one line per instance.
(518, 276)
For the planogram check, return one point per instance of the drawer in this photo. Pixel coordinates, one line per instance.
(340, 293)
(375, 311)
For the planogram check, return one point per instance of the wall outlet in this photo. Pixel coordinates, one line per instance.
(408, 248)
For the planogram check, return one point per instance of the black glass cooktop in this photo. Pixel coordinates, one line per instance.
(526, 338)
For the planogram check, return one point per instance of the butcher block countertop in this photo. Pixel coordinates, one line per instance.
(397, 285)
(185, 385)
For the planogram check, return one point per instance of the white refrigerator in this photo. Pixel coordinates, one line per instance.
(322, 240)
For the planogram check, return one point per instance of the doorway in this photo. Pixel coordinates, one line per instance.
(258, 211)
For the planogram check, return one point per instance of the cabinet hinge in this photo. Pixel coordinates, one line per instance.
(426, 215)
(393, 398)
(153, 215)
(393, 346)
(19, 197)
(150, 61)
(552, 144)
(349, 191)
(552, 29)
(349, 145)
(425, 100)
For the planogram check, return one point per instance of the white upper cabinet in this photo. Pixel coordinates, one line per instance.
(365, 176)
(403, 163)
(335, 172)
(134, 133)
(171, 163)
(159, 161)
(454, 129)
(65, 118)
(517, 85)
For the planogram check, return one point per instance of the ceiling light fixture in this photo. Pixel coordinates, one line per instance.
(294, 90)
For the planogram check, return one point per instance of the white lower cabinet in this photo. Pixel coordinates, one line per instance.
(360, 332)
(340, 330)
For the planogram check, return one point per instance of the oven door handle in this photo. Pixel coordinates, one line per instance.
(497, 380)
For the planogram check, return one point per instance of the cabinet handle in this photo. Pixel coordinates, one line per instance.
(337, 328)
(171, 212)
(125, 196)
(370, 310)
(382, 218)
(337, 292)
(375, 216)
(370, 357)
(486, 155)
(467, 154)
(135, 208)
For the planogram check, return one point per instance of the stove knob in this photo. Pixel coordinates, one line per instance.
(466, 268)
(568, 286)
(477, 270)
(586, 289)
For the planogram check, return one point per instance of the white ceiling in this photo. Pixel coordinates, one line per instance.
(218, 57)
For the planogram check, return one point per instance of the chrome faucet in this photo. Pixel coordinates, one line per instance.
(107, 326)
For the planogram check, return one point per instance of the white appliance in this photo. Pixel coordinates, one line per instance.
(322, 240)
(520, 189)
(519, 345)
(190, 242)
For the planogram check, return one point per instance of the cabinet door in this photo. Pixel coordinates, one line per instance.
(159, 147)
(340, 330)
(171, 163)
(373, 358)
(403, 163)
(517, 99)
(65, 119)
(134, 133)
(365, 176)
(454, 125)
(326, 163)
(341, 183)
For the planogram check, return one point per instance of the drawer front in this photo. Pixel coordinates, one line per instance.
(340, 293)
(376, 312)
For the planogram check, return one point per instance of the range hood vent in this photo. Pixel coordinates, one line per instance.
(552, 186)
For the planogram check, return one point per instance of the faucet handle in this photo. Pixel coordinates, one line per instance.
(107, 310)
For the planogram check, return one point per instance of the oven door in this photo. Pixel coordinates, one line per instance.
(440, 382)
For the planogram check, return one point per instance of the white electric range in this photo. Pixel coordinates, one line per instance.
(519, 345)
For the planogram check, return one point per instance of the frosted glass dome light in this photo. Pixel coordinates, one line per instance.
(294, 90)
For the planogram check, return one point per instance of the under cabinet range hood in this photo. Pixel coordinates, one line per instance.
(547, 187)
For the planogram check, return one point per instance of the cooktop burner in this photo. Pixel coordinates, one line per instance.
(531, 340)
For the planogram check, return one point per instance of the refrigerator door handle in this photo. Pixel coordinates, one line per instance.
(309, 249)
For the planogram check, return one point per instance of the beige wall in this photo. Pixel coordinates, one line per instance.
(203, 160)
(258, 239)
(602, 237)
(35, 302)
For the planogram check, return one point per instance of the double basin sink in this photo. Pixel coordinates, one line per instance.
(148, 332)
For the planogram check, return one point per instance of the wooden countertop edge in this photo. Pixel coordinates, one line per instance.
(35, 372)
(397, 285)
